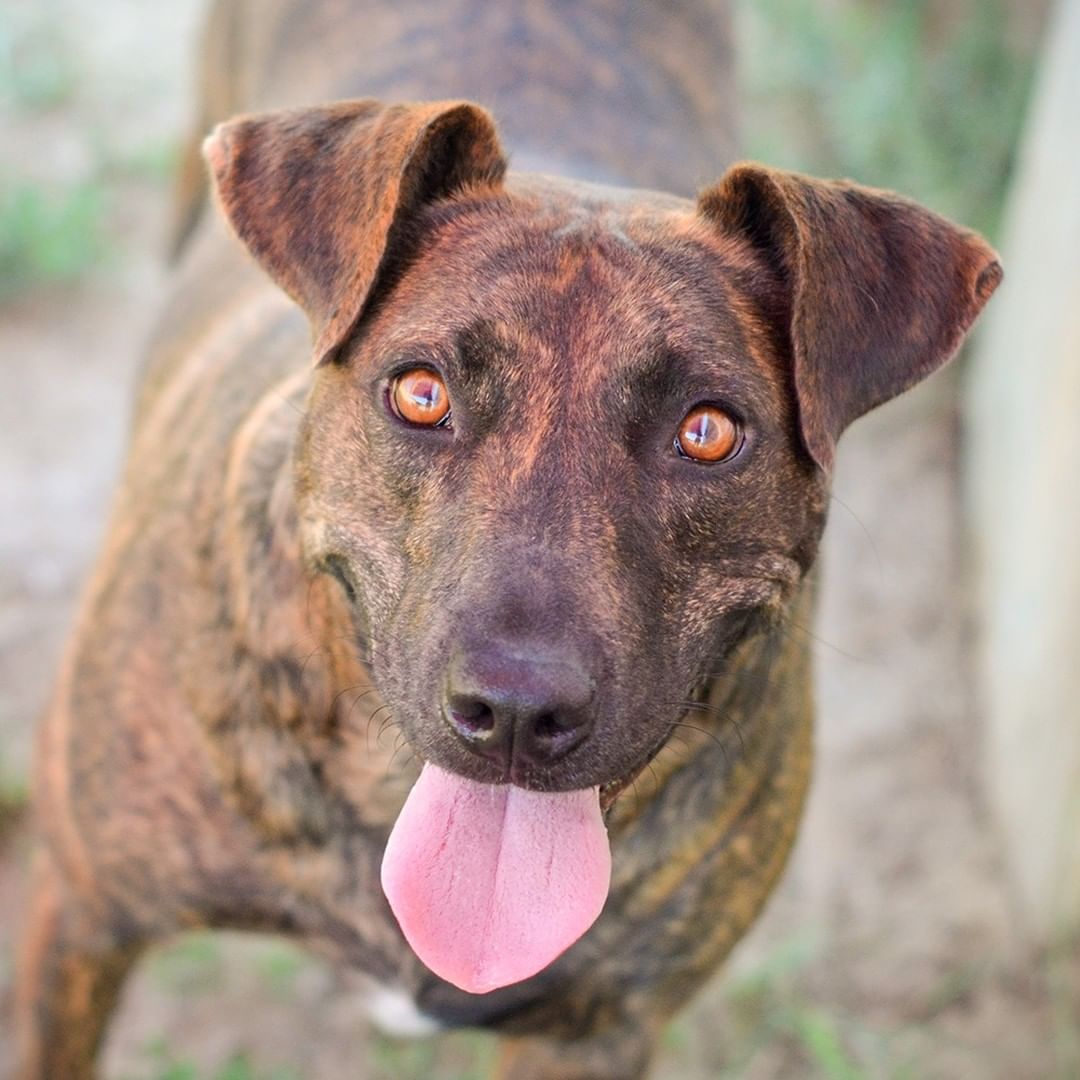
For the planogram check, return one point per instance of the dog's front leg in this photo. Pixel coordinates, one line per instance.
(71, 968)
(619, 1052)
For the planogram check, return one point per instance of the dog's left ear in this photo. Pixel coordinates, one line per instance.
(879, 290)
(319, 194)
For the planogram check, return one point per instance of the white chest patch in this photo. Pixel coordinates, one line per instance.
(393, 1012)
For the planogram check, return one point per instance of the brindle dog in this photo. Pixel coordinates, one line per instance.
(582, 558)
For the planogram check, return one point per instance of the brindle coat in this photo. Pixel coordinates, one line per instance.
(289, 567)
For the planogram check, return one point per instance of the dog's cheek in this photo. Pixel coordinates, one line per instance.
(347, 511)
(735, 544)
(412, 643)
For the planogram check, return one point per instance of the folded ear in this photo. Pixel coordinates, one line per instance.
(317, 194)
(880, 291)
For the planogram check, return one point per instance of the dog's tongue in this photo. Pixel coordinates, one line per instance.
(491, 882)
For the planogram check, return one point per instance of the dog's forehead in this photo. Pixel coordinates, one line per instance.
(576, 273)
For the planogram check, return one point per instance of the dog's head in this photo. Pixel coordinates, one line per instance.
(567, 445)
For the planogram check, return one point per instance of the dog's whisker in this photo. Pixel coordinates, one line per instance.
(307, 659)
(752, 678)
(374, 715)
(738, 731)
(683, 747)
(866, 532)
(700, 706)
(656, 779)
(675, 750)
(790, 622)
(356, 701)
(385, 725)
(346, 720)
(713, 736)
(403, 744)
(726, 717)
(362, 653)
(286, 400)
(307, 607)
(341, 693)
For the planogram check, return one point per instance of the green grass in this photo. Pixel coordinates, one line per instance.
(37, 66)
(1061, 967)
(58, 234)
(199, 963)
(60, 231)
(193, 964)
(239, 1067)
(48, 235)
(456, 1056)
(164, 1064)
(820, 1037)
(775, 1017)
(892, 95)
(770, 1004)
(14, 800)
(278, 964)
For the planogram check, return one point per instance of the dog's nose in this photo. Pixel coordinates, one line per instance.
(517, 708)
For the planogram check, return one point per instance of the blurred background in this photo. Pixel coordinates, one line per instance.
(927, 926)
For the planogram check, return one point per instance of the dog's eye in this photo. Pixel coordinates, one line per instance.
(708, 434)
(419, 396)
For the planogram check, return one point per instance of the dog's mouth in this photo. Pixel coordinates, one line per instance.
(490, 883)
(610, 791)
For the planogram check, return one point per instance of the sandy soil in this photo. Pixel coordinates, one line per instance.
(890, 949)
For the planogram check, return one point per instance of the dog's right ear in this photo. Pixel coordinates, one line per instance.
(880, 291)
(317, 194)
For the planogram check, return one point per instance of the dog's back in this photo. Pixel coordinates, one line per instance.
(637, 94)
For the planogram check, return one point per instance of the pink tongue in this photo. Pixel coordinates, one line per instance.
(491, 882)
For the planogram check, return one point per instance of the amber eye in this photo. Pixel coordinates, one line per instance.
(708, 434)
(419, 396)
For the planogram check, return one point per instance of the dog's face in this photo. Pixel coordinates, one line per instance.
(560, 467)
(565, 446)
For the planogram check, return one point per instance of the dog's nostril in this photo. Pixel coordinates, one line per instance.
(472, 717)
(547, 726)
(551, 736)
(479, 726)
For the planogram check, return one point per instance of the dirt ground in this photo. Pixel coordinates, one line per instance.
(889, 951)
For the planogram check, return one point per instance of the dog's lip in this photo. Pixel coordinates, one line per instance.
(611, 791)
(477, 771)
(483, 772)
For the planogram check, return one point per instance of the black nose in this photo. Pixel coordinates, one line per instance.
(519, 708)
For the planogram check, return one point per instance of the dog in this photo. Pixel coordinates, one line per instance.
(527, 467)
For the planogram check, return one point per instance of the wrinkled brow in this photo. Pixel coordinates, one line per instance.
(482, 348)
